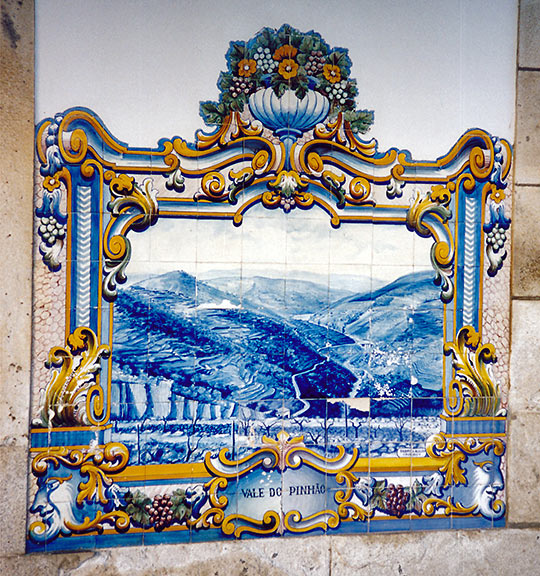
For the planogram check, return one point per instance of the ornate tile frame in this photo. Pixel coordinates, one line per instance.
(98, 192)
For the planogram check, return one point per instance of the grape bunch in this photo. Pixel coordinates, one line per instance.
(315, 63)
(50, 229)
(160, 512)
(265, 63)
(496, 237)
(240, 86)
(287, 203)
(338, 92)
(396, 500)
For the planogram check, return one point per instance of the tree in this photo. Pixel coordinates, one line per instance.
(357, 424)
(400, 423)
(193, 437)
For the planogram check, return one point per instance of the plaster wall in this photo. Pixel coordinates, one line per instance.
(508, 551)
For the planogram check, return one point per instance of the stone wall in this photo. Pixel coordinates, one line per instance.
(513, 550)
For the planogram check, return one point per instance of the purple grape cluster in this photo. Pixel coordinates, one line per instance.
(160, 512)
(315, 63)
(396, 500)
(240, 85)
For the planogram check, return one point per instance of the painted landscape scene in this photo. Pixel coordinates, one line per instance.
(200, 363)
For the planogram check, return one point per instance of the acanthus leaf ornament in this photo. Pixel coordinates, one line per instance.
(288, 190)
(472, 391)
(470, 471)
(67, 396)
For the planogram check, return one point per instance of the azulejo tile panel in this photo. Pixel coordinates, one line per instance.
(278, 329)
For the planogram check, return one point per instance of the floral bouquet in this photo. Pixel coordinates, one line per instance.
(287, 59)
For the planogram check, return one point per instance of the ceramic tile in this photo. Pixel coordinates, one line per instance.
(305, 340)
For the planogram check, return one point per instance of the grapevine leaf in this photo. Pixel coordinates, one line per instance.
(278, 85)
(225, 80)
(306, 45)
(213, 113)
(265, 38)
(360, 120)
(237, 51)
(301, 91)
(180, 509)
(379, 496)
(136, 503)
(417, 497)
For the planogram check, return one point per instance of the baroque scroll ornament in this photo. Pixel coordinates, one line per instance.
(68, 395)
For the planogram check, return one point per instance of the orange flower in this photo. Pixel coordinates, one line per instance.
(246, 67)
(285, 51)
(497, 195)
(332, 73)
(288, 68)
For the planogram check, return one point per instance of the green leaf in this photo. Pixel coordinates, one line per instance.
(237, 51)
(279, 85)
(209, 107)
(306, 45)
(417, 497)
(225, 80)
(301, 59)
(283, 35)
(180, 509)
(301, 91)
(238, 103)
(136, 507)
(265, 38)
(360, 120)
(213, 113)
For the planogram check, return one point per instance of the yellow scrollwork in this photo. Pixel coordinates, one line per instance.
(431, 505)
(451, 453)
(471, 390)
(128, 194)
(213, 186)
(140, 204)
(232, 128)
(480, 162)
(260, 161)
(121, 184)
(346, 508)
(239, 524)
(215, 515)
(340, 130)
(121, 519)
(66, 397)
(359, 190)
(314, 163)
(95, 463)
(435, 204)
(295, 522)
(287, 189)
